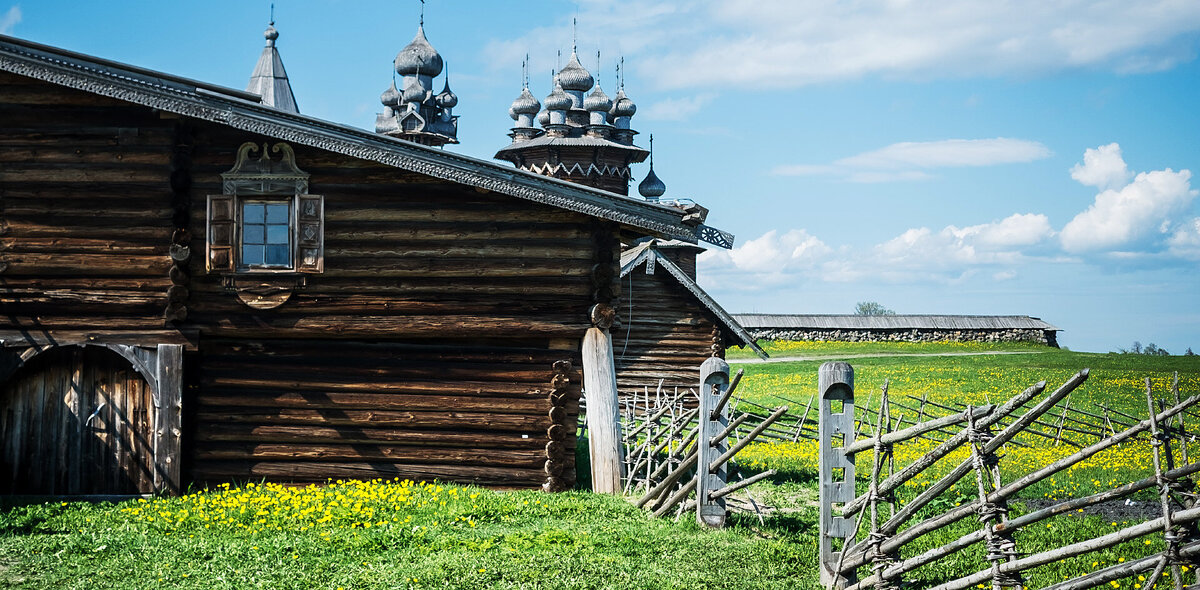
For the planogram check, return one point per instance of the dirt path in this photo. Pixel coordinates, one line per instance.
(838, 357)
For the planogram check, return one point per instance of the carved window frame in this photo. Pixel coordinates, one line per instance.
(255, 177)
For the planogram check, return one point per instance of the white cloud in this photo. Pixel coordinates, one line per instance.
(1102, 167)
(918, 254)
(675, 109)
(1185, 242)
(10, 20)
(1014, 231)
(784, 43)
(768, 259)
(1125, 216)
(908, 160)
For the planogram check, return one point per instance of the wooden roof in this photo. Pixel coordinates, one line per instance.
(891, 322)
(647, 253)
(244, 111)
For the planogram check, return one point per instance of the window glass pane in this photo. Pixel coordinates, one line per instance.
(252, 255)
(277, 234)
(253, 234)
(253, 212)
(277, 213)
(278, 255)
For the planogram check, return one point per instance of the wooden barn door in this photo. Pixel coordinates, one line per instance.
(76, 420)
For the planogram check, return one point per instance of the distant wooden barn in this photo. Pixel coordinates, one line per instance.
(899, 328)
(669, 324)
(200, 288)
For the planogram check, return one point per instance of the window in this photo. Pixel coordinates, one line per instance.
(266, 235)
(266, 222)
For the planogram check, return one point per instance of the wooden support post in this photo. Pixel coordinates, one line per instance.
(603, 411)
(835, 385)
(168, 421)
(714, 418)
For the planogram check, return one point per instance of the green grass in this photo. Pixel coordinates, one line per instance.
(458, 538)
(463, 537)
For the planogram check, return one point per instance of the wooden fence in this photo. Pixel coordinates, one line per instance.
(885, 554)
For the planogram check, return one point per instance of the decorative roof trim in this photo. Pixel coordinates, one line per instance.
(237, 109)
(644, 252)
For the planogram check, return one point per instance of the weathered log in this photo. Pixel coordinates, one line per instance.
(603, 416)
(920, 429)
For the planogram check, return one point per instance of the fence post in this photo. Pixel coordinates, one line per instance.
(603, 410)
(835, 387)
(714, 417)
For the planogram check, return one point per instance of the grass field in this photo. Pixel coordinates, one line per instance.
(414, 535)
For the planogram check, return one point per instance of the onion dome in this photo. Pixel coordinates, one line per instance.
(391, 96)
(271, 34)
(597, 101)
(652, 188)
(574, 77)
(622, 105)
(413, 91)
(543, 118)
(525, 104)
(558, 100)
(418, 57)
(446, 99)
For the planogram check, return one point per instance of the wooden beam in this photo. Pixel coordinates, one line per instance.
(603, 418)
(168, 419)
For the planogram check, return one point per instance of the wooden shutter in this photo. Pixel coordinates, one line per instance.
(220, 239)
(310, 234)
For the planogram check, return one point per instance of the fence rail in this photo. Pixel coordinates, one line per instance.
(892, 528)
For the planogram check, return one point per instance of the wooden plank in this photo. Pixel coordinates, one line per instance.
(529, 458)
(168, 419)
(285, 398)
(352, 435)
(491, 421)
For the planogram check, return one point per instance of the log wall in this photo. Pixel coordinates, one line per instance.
(665, 334)
(427, 348)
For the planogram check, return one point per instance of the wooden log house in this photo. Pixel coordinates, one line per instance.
(669, 324)
(200, 288)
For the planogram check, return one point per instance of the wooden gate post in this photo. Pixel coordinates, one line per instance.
(603, 412)
(835, 387)
(714, 417)
(168, 422)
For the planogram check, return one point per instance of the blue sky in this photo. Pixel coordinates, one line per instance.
(1024, 157)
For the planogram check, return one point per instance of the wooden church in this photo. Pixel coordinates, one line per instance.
(203, 285)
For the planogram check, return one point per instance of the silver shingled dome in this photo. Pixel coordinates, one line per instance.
(651, 187)
(623, 106)
(446, 99)
(413, 91)
(391, 96)
(419, 57)
(597, 100)
(558, 100)
(525, 104)
(574, 76)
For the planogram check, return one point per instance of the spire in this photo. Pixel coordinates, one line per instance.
(269, 80)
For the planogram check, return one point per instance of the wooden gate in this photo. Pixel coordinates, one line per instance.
(77, 420)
